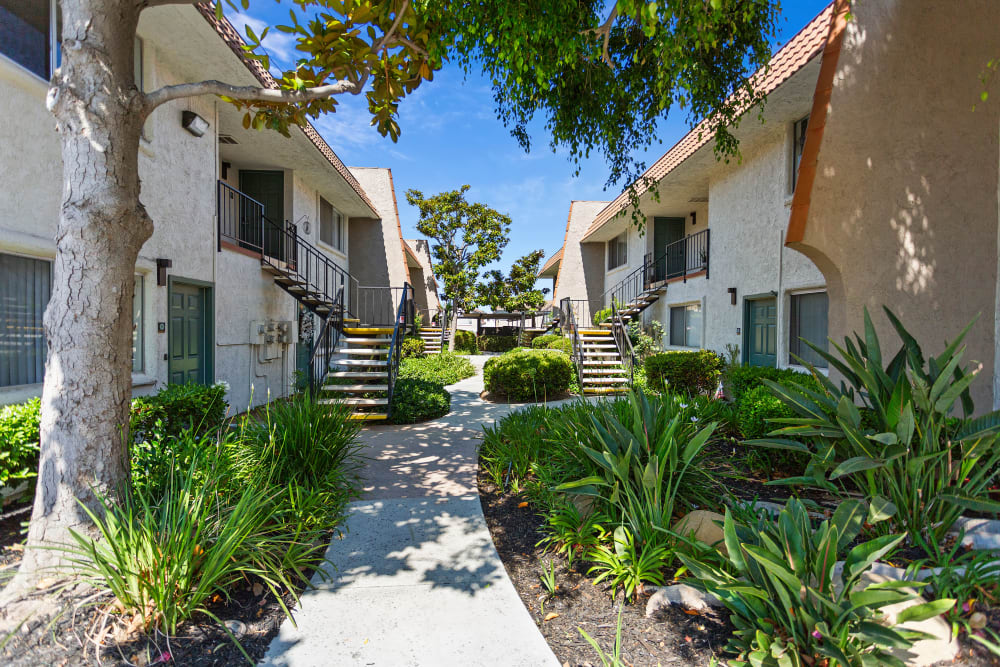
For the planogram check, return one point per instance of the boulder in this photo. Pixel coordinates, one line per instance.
(703, 524)
(681, 595)
(981, 534)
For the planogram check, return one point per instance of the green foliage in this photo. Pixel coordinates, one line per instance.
(19, 426)
(756, 408)
(646, 340)
(615, 659)
(496, 343)
(514, 293)
(178, 407)
(514, 444)
(524, 375)
(902, 443)
(626, 564)
(465, 238)
(695, 372)
(570, 532)
(465, 342)
(788, 605)
(601, 316)
(562, 344)
(445, 368)
(542, 342)
(415, 400)
(741, 379)
(413, 346)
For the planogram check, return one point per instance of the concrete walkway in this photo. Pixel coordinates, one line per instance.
(417, 580)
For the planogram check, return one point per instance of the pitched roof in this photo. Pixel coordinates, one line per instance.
(234, 40)
(555, 259)
(792, 57)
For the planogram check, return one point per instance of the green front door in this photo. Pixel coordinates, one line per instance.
(267, 187)
(665, 232)
(761, 338)
(188, 336)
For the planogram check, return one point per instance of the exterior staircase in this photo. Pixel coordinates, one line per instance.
(359, 372)
(432, 339)
(638, 303)
(602, 370)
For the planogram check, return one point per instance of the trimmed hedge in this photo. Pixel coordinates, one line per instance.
(178, 407)
(756, 407)
(465, 342)
(524, 374)
(741, 379)
(694, 372)
(496, 343)
(542, 342)
(445, 368)
(412, 347)
(415, 400)
(19, 426)
(561, 344)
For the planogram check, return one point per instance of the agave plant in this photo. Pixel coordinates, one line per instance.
(902, 442)
(790, 605)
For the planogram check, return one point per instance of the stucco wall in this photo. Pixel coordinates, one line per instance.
(581, 271)
(381, 248)
(904, 207)
(423, 278)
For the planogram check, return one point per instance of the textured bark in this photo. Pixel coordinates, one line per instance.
(453, 325)
(88, 322)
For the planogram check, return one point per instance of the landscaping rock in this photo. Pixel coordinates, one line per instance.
(681, 595)
(703, 524)
(979, 533)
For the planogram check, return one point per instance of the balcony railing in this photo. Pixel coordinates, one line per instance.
(680, 259)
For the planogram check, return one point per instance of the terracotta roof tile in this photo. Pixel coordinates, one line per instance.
(234, 40)
(792, 57)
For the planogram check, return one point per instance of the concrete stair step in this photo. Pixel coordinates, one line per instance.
(351, 331)
(603, 381)
(358, 375)
(368, 416)
(606, 362)
(351, 340)
(364, 351)
(359, 362)
(355, 388)
(606, 371)
(355, 401)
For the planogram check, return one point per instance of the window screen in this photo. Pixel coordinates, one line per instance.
(618, 251)
(25, 287)
(808, 320)
(330, 225)
(685, 325)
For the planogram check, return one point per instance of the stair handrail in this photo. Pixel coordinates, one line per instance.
(327, 341)
(402, 324)
(570, 318)
(623, 342)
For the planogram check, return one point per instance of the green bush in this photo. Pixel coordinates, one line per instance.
(741, 379)
(412, 347)
(601, 316)
(542, 342)
(19, 442)
(694, 372)
(755, 409)
(416, 400)
(465, 342)
(524, 375)
(496, 343)
(178, 407)
(445, 368)
(561, 344)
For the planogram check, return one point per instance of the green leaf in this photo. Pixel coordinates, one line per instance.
(922, 612)
(863, 555)
(880, 510)
(976, 504)
(856, 464)
(848, 519)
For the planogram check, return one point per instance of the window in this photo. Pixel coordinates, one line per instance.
(137, 64)
(618, 251)
(331, 225)
(25, 287)
(798, 143)
(808, 321)
(26, 27)
(138, 327)
(685, 325)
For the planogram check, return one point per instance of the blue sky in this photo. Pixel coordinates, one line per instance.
(451, 136)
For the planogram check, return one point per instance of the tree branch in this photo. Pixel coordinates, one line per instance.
(605, 30)
(392, 29)
(146, 4)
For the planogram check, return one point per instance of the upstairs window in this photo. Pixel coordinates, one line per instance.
(618, 251)
(331, 225)
(798, 143)
(27, 34)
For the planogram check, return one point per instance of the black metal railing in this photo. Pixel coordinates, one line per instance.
(326, 343)
(376, 306)
(568, 319)
(687, 256)
(619, 330)
(584, 310)
(402, 325)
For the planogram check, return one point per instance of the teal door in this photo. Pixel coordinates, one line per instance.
(188, 334)
(667, 231)
(267, 187)
(761, 337)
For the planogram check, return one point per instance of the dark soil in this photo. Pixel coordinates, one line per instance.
(671, 637)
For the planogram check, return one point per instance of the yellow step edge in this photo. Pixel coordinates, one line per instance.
(367, 418)
(364, 330)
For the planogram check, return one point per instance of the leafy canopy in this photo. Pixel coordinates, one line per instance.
(600, 76)
(514, 293)
(464, 236)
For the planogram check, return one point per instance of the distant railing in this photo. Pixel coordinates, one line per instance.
(403, 322)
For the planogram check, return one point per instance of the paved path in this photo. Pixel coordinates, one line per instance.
(417, 579)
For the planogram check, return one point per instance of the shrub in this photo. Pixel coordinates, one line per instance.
(445, 368)
(465, 342)
(561, 344)
(646, 340)
(19, 426)
(412, 347)
(542, 342)
(524, 375)
(496, 343)
(788, 603)
(741, 379)
(695, 372)
(601, 316)
(178, 407)
(908, 447)
(416, 400)
(755, 409)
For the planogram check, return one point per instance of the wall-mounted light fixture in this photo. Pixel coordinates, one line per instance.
(732, 295)
(194, 123)
(161, 270)
(694, 218)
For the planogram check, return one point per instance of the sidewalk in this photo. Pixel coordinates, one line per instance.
(417, 579)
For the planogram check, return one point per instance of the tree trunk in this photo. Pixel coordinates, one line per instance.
(88, 322)
(453, 327)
